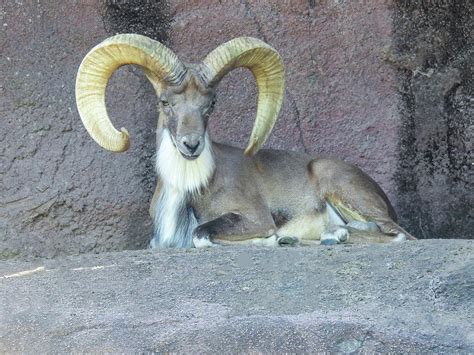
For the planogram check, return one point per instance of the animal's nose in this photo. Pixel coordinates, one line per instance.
(191, 143)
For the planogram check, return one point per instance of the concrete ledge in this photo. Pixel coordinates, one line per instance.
(416, 296)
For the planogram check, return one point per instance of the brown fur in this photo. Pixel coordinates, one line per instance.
(258, 188)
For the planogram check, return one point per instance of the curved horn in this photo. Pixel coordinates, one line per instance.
(266, 66)
(159, 64)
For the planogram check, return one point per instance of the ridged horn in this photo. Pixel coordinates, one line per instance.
(267, 68)
(159, 64)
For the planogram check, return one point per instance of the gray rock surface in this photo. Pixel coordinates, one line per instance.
(410, 297)
(433, 50)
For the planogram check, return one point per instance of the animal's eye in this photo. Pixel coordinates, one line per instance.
(211, 106)
(165, 103)
(208, 110)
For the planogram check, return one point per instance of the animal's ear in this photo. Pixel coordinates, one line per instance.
(266, 66)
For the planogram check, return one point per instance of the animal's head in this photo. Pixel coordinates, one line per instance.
(186, 93)
(184, 111)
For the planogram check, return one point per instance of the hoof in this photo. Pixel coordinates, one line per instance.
(287, 241)
(203, 243)
(329, 242)
(401, 237)
(340, 235)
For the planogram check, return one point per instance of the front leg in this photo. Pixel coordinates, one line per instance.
(233, 228)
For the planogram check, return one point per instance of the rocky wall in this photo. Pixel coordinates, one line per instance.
(433, 50)
(349, 94)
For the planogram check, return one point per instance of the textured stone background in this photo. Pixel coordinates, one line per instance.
(386, 85)
(433, 50)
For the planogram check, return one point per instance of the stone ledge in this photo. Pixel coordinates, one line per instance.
(415, 296)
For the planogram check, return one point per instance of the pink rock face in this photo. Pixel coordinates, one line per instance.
(382, 84)
(60, 193)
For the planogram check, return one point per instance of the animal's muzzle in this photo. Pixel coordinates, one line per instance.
(191, 145)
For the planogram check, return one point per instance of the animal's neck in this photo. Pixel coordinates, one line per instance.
(176, 172)
(174, 220)
(181, 179)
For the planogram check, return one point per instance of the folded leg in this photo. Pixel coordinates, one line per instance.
(234, 228)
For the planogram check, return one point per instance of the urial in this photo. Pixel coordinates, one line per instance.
(210, 193)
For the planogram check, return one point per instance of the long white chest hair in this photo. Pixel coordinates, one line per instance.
(182, 180)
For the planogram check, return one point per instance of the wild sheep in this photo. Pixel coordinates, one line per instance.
(210, 193)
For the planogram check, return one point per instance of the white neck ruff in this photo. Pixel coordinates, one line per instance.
(186, 176)
(174, 219)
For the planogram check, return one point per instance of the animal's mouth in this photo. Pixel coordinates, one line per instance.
(189, 157)
(184, 155)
